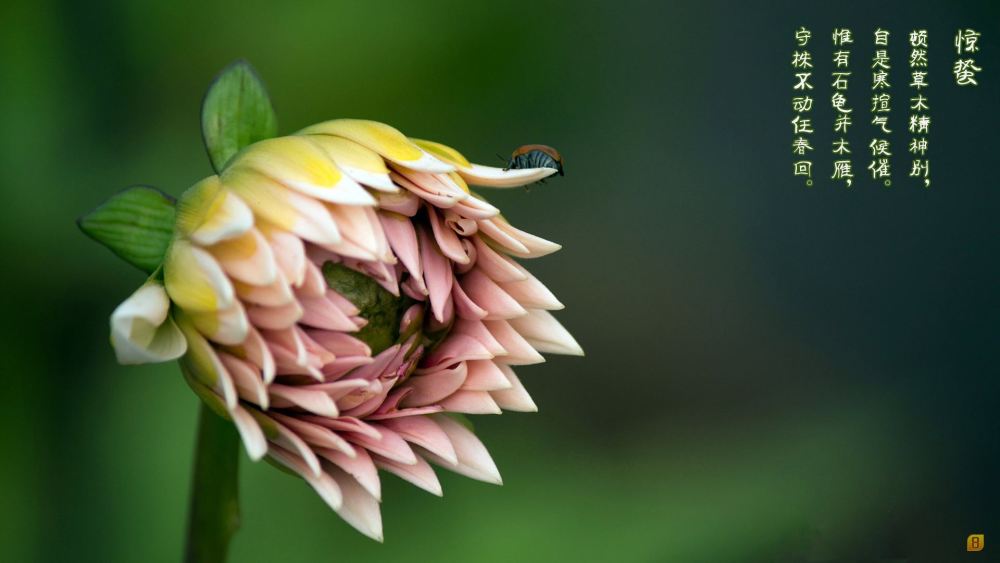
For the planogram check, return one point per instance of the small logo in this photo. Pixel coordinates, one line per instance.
(975, 542)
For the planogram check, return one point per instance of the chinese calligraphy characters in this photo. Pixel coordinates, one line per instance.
(881, 165)
(842, 169)
(911, 131)
(965, 69)
(920, 121)
(802, 104)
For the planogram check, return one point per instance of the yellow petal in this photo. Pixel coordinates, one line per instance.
(247, 258)
(203, 363)
(444, 152)
(282, 207)
(228, 326)
(301, 165)
(194, 280)
(364, 165)
(207, 213)
(383, 139)
(460, 181)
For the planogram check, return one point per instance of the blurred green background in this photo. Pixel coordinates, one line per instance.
(774, 373)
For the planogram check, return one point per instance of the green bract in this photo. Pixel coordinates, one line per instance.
(137, 224)
(236, 112)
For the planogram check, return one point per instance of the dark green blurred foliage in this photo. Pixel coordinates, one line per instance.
(773, 373)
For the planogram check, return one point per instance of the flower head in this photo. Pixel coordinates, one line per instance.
(337, 293)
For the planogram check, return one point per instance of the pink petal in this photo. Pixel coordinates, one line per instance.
(339, 343)
(382, 363)
(289, 440)
(426, 433)
(317, 355)
(516, 398)
(360, 396)
(420, 474)
(325, 485)
(414, 288)
(318, 402)
(475, 208)
(478, 331)
(412, 315)
(457, 348)
(544, 332)
(344, 365)
(348, 424)
(343, 303)
(499, 236)
(461, 225)
(402, 202)
(536, 246)
(447, 241)
(391, 402)
(473, 459)
(532, 294)
(359, 508)
(322, 312)
(403, 413)
(469, 248)
(429, 187)
(312, 434)
(403, 240)
(289, 253)
(519, 351)
(437, 274)
(360, 225)
(291, 355)
(250, 433)
(255, 350)
(272, 295)
(275, 318)
(288, 339)
(432, 387)
(337, 389)
(464, 306)
(470, 402)
(360, 467)
(372, 400)
(489, 296)
(484, 375)
(390, 445)
(313, 283)
(288, 364)
(382, 273)
(499, 267)
(247, 379)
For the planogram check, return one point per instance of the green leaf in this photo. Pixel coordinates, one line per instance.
(137, 224)
(236, 112)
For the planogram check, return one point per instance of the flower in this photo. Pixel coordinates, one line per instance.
(337, 293)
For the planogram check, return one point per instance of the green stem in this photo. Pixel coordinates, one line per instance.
(214, 515)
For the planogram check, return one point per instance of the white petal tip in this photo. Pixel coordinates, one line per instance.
(493, 177)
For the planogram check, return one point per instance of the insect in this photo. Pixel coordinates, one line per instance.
(535, 156)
